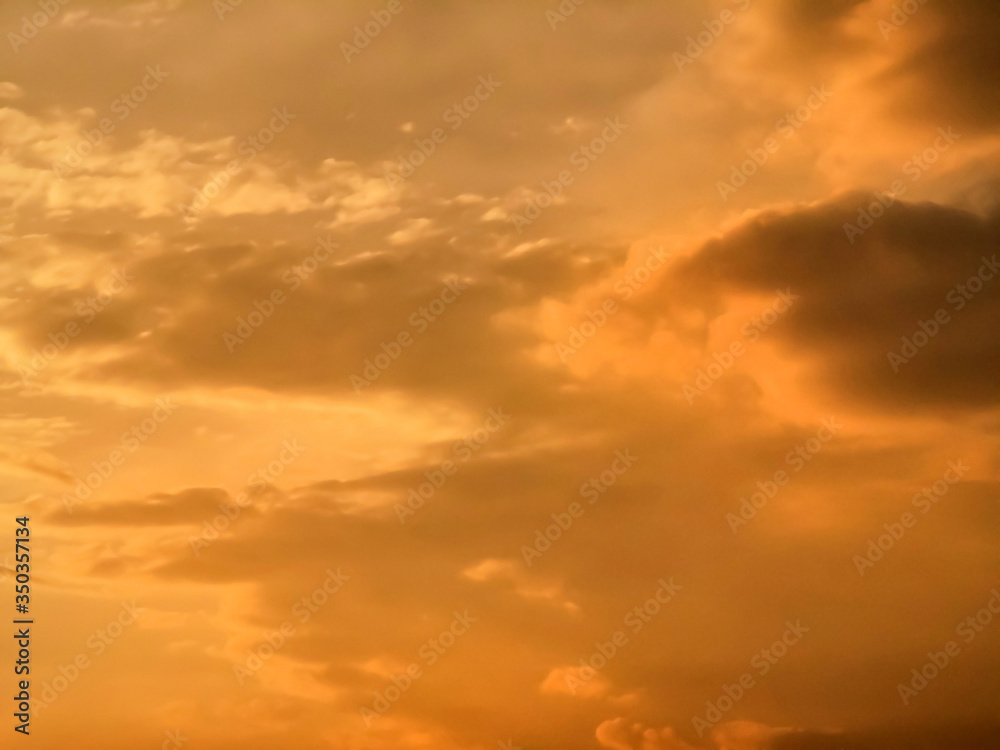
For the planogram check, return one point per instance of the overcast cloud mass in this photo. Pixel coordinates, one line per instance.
(477, 376)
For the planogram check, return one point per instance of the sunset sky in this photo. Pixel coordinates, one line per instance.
(442, 375)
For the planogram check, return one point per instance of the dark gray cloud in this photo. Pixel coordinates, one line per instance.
(859, 301)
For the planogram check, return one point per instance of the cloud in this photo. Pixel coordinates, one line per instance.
(513, 572)
(10, 90)
(620, 734)
(355, 263)
(188, 507)
(954, 737)
(859, 301)
(575, 682)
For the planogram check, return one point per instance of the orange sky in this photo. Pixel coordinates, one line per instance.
(478, 376)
